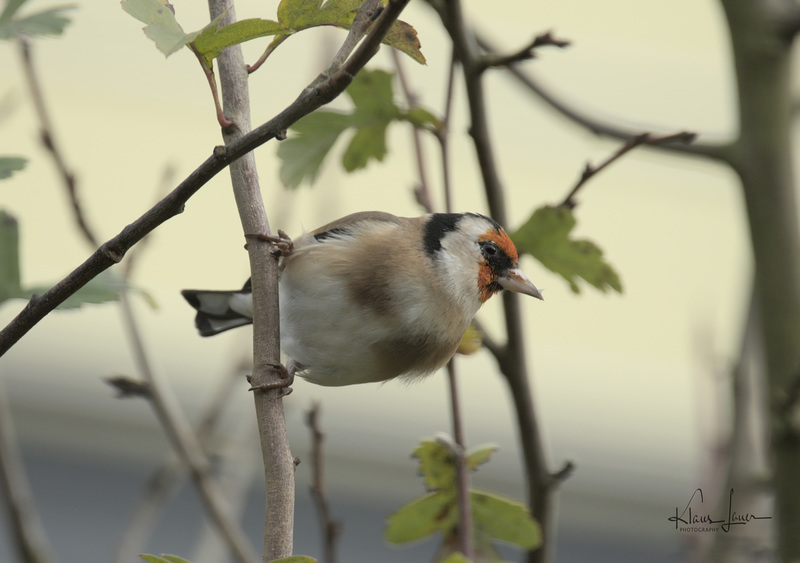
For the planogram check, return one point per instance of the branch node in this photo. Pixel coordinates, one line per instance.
(221, 152)
(562, 474)
(113, 252)
(128, 387)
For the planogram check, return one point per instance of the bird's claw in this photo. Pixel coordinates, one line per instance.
(282, 245)
(284, 383)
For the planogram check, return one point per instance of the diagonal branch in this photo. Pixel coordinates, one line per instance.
(591, 170)
(492, 60)
(717, 151)
(113, 250)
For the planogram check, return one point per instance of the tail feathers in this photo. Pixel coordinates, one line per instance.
(218, 311)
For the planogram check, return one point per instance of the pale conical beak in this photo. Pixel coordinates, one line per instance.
(516, 280)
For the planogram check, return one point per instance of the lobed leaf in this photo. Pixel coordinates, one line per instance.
(52, 21)
(11, 164)
(479, 455)
(162, 27)
(303, 153)
(422, 517)
(437, 465)
(504, 519)
(302, 14)
(546, 237)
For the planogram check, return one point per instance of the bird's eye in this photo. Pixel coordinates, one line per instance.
(489, 249)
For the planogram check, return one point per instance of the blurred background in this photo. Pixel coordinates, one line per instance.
(632, 388)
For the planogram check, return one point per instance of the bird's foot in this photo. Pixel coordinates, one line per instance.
(282, 245)
(284, 383)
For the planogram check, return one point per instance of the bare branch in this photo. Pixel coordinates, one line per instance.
(717, 151)
(185, 442)
(591, 170)
(165, 480)
(49, 141)
(113, 250)
(25, 529)
(330, 527)
(465, 540)
(492, 60)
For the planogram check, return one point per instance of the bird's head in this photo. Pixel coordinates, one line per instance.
(469, 239)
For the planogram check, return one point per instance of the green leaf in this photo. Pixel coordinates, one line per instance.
(50, 22)
(368, 142)
(504, 519)
(422, 517)
(9, 257)
(373, 96)
(153, 558)
(103, 288)
(302, 14)
(11, 164)
(303, 153)
(455, 558)
(295, 559)
(437, 464)
(421, 117)
(162, 27)
(403, 37)
(214, 39)
(480, 455)
(546, 237)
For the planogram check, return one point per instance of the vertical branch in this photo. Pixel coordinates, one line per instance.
(512, 360)
(330, 528)
(27, 533)
(424, 197)
(466, 544)
(764, 161)
(277, 457)
(184, 440)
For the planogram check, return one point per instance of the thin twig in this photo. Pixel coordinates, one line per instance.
(112, 251)
(465, 539)
(422, 191)
(26, 532)
(443, 134)
(423, 196)
(513, 362)
(267, 52)
(330, 528)
(491, 60)
(591, 170)
(49, 141)
(185, 442)
(211, 78)
(716, 150)
(165, 480)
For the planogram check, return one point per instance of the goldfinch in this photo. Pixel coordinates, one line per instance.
(372, 296)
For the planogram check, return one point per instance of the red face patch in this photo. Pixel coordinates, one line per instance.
(499, 254)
